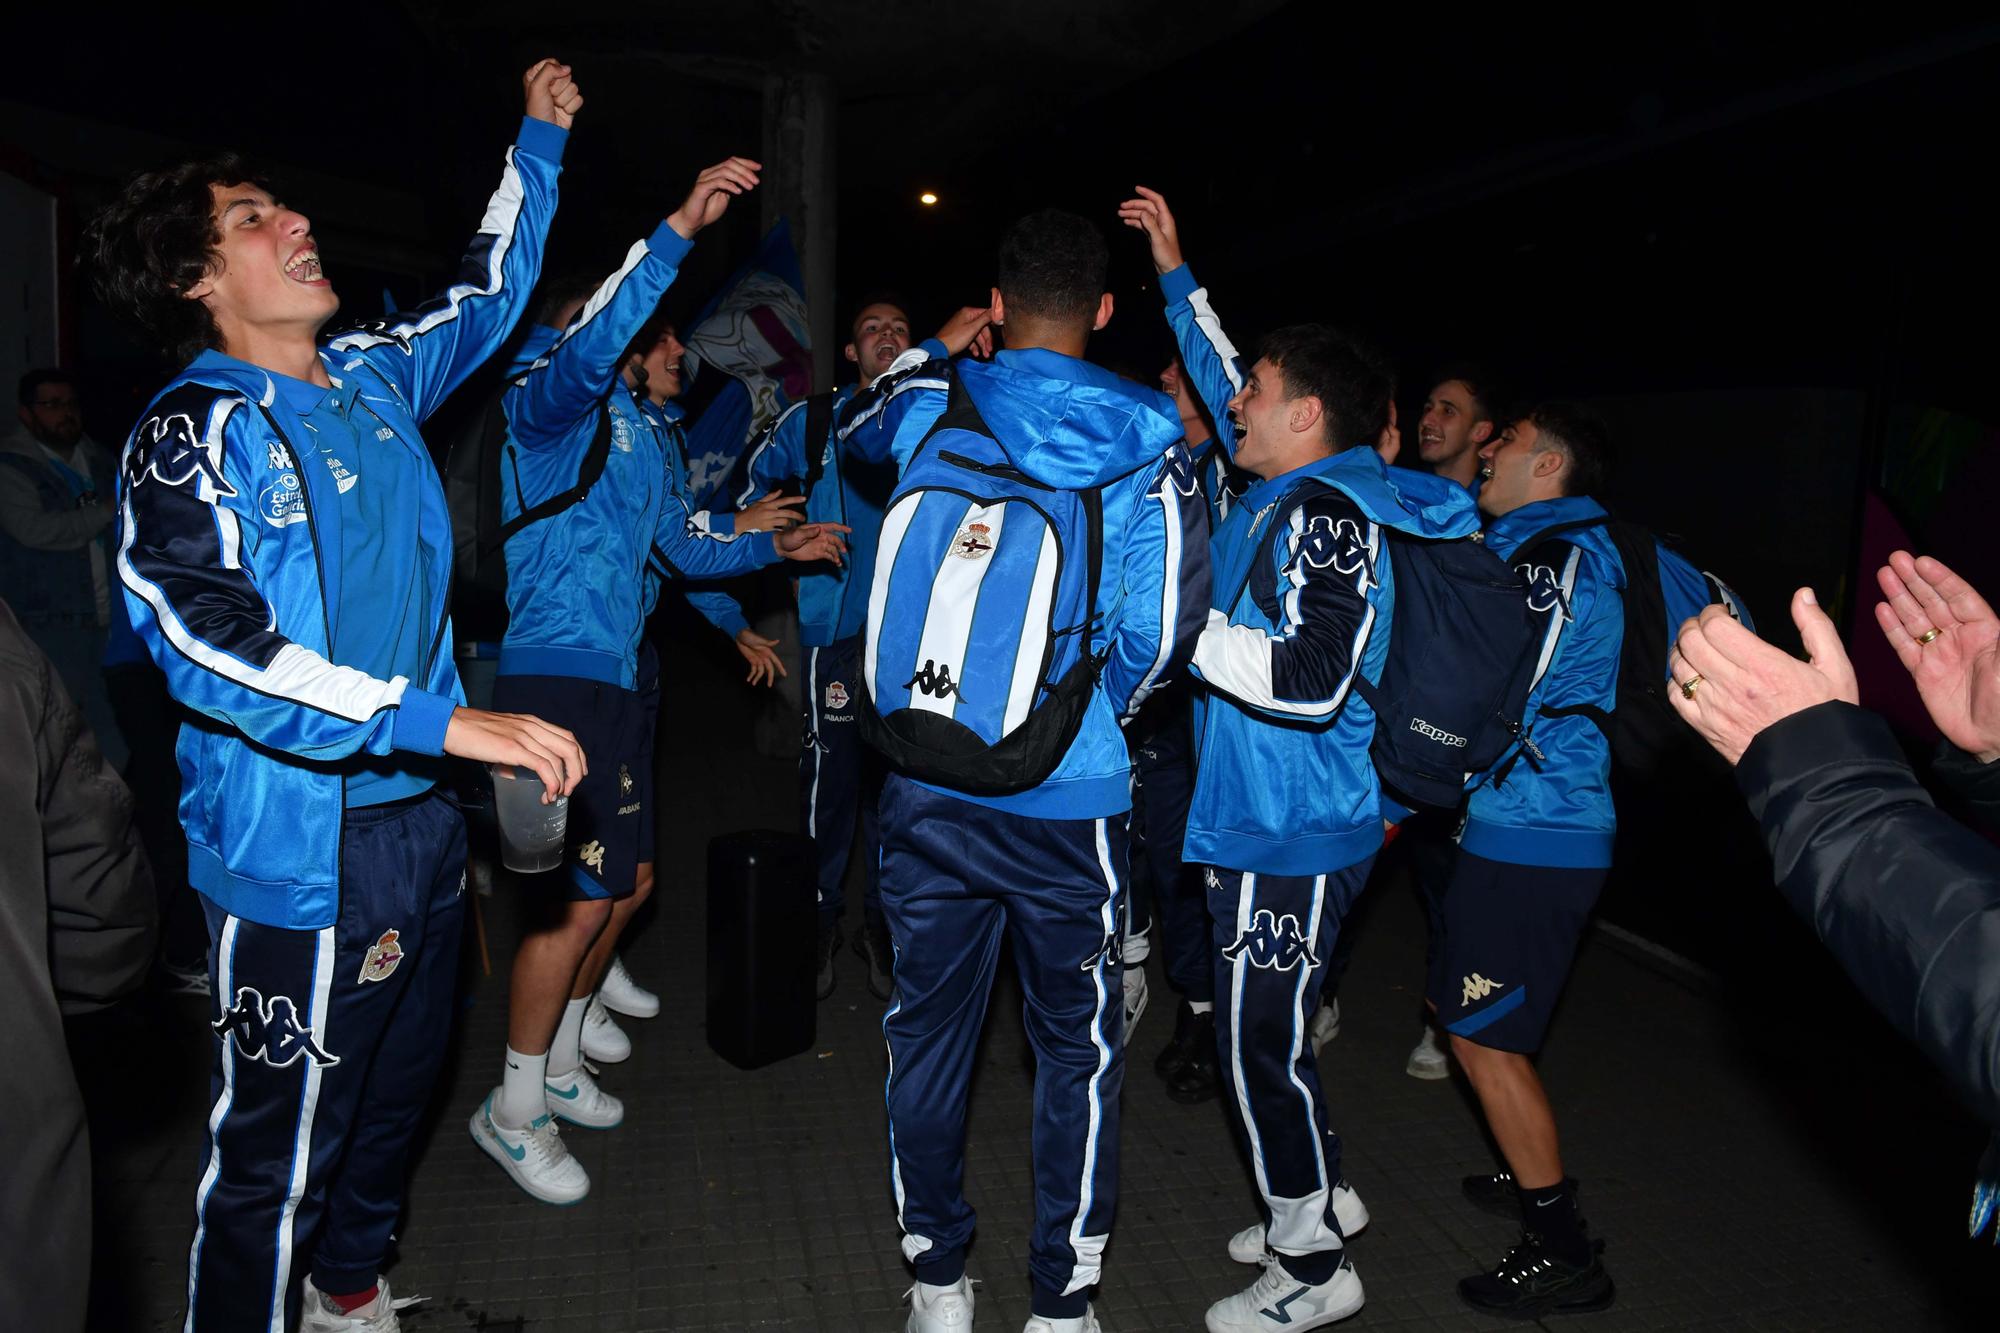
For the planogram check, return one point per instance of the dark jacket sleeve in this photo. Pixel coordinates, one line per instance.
(1976, 784)
(1906, 898)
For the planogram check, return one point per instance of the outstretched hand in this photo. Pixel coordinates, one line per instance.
(771, 513)
(1958, 671)
(709, 199)
(761, 653)
(1746, 684)
(1149, 213)
(812, 541)
(552, 93)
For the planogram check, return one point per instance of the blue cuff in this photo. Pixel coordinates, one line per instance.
(420, 722)
(731, 622)
(1394, 810)
(934, 349)
(668, 244)
(765, 546)
(542, 138)
(1177, 284)
(722, 522)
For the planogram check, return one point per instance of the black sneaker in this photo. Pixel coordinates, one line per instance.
(872, 944)
(1497, 1194)
(1199, 1079)
(1532, 1281)
(1174, 1055)
(829, 945)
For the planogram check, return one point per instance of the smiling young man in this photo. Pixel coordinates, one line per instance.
(838, 778)
(285, 553)
(1457, 421)
(1286, 809)
(581, 582)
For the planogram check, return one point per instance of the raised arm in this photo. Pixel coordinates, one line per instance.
(429, 351)
(1163, 583)
(1212, 362)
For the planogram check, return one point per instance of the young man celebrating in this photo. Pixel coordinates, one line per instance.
(838, 777)
(1534, 853)
(580, 583)
(285, 554)
(1457, 422)
(1286, 809)
(1044, 866)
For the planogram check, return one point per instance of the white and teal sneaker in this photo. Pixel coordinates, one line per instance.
(575, 1097)
(535, 1157)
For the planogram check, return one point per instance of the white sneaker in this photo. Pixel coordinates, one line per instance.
(535, 1157)
(321, 1315)
(623, 995)
(1428, 1060)
(1249, 1245)
(1325, 1025)
(1278, 1300)
(1083, 1323)
(940, 1309)
(1135, 998)
(575, 1097)
(603, 1040)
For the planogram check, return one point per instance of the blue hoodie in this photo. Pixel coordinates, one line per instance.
(1304, 597)
(234, 567)
(1075, 426)
(581, 583)
(1557, 811)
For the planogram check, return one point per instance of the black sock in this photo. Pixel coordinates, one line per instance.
(1317, 1267)
(1550, 1212)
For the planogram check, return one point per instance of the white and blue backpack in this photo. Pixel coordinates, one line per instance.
(980, 661)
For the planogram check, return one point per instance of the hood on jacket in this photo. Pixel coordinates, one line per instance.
(1507, 533)
(1066, 422)
(1413, 502)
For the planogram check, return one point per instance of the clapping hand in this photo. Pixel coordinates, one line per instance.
(1729, 684)
(1949, 640)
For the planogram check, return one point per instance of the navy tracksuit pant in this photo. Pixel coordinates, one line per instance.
(328, 1044)
(1167, 893)
(1274, 935)
(956, 878)
(839, 777)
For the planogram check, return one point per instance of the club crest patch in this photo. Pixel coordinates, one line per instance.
(974, 541)
(624, 780)
(836, 695)
(384, 954)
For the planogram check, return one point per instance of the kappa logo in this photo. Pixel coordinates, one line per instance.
(1545, 591)
(624, 780)
(1478, 988)
(933, 680)
(592, 855)
(275, 456)
(1180, 470)
(1438, 734)
(386, 952)
(1272, 942)
(1213, 880)
(1107, 954)
(269, 1030)
(836, 695)
(174, 456)
(1326, 542)
(973, 542)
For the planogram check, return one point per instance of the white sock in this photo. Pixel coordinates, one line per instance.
(1201, 1006)
(566, 1052)
(522, 1097)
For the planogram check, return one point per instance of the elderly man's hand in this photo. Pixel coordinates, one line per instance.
(1958, 670)
(1732, 684)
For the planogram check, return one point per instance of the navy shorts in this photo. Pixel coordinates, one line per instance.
(611, 810)
(1508, 937)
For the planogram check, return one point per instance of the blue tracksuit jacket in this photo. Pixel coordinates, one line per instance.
(1557, 811)
(1075, 426)
(581, 583)
(230, 592)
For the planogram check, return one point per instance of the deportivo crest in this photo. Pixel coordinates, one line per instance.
(592, 855)
(269, 1030)
(1478, 988)
(1545, 590)
(384, 954)
(1339, 544)
(621, 434)
(836, 695)
(624, 780)
(973, 542)
(1272, 942)
(171, 454)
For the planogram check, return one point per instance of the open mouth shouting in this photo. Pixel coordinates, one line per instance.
(303, 266)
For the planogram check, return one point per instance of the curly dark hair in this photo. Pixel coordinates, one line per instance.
(1582, 437)
(1351, 379)
(157, 239)
(1053, 265)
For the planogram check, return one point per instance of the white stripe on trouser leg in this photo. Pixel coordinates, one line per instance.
(914, 1246)
(1298, 1225)
(1089, 1250)
(812, 739)
(225, 987)
(1246, 883)
(316, 1022)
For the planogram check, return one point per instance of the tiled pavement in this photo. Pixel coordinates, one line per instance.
(1747, 1168)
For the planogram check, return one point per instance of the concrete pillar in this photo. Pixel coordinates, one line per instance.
(801, 114)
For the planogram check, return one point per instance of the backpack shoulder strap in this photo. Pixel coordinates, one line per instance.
(819, 425)
(587, 476)
(1558, 530)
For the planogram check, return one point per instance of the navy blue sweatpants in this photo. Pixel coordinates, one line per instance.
(839, 777)
(328, 1043)
(1273, 937)
(955, 877)
(1162, 790)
